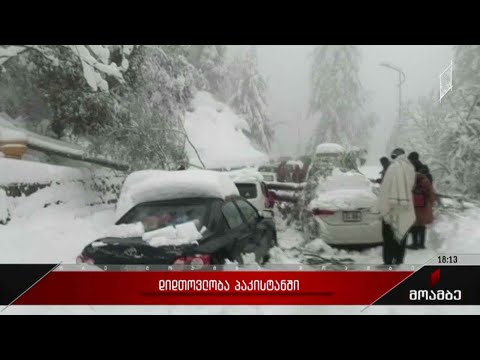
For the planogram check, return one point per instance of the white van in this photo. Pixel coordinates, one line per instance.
(255, 192)
(251, 186)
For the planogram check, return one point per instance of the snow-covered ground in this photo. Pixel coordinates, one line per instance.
(218, 135)
(58, 233)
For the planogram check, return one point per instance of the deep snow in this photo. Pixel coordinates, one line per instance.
(59, 232)
(218, 135)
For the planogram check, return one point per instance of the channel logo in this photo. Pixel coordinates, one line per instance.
(435, 294)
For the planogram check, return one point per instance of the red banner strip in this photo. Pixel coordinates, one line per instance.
(212, 288)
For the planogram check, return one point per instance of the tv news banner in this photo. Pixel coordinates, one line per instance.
(445, 279)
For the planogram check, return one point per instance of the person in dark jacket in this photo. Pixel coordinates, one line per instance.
(419, 166)
(297, 174)
(385, 164)
(282, 172)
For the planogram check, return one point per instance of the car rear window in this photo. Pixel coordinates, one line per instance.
(157, 215)
(248, 191)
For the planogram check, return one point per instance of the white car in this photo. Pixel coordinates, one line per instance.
(340, 205)
(269, 177)
(251, 186)
(255, 192)
(269, 173)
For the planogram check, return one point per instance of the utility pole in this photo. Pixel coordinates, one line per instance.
(401, 80)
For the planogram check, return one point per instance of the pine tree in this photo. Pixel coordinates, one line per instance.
(248, 89)
(336, 93)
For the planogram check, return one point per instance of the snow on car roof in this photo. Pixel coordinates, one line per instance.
(154, 185)
(329, 148)
(245, 175)
(295, 162)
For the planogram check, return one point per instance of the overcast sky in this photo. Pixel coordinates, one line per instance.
(287, 69)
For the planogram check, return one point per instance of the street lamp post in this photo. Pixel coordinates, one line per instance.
(401, 80)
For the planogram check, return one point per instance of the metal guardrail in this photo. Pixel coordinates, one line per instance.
(98, 161)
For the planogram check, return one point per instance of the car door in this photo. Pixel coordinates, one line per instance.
(237, 231)
(252, 219)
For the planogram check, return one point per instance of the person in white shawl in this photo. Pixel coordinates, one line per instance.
(396, 206)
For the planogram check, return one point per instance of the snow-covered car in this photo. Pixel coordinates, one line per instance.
(190, 217)
(326, 156)
(269, 176)
(339, 203)
(250, 184)
(269, 173)
(255, 192)
(292, 164)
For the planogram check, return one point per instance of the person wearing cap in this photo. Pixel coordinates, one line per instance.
(396, 207)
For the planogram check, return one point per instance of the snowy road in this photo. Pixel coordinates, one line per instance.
(57, 233)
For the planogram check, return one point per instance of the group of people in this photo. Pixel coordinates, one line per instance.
(406, 202)
(287, 173)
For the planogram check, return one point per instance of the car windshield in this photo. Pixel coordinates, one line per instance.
(268, 177)
(248, 191)
(157, 215)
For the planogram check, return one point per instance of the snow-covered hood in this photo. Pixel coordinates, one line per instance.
(344, 191)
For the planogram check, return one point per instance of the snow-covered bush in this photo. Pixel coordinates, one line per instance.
(447, 134)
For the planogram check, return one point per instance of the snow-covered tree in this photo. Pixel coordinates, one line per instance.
(209, 60)
(148, 128)
(425, 122)
(447, 134)
(461, 138)
(336, 94)
(53, 80)
(95, 60)
(248, 97)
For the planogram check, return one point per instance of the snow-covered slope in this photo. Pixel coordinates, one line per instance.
(216, 132)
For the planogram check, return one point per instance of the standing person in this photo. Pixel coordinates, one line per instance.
(297, 174)
(385, 164)
(282, 172)
(424, 198)
(396, 207)
(419, 166)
